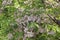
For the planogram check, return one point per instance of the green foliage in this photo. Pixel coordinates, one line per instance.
(18, 9)
(33, 25)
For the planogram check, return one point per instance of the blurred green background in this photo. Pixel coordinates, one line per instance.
(28, 20)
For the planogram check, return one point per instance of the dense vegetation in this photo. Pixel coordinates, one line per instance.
(28, 20)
